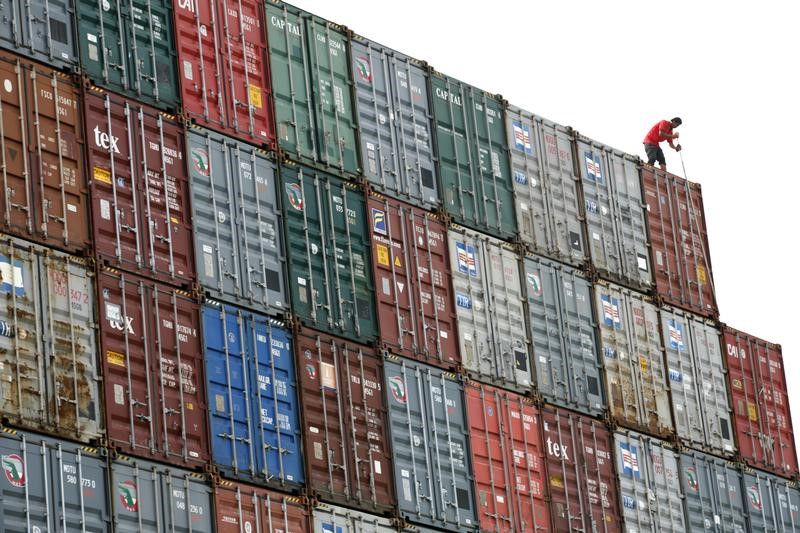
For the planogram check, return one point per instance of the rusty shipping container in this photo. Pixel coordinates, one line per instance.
(489, 306)
(679, 242)
(48, 356)
(346, 441)
(616, 221)
(508, 460)
(239, 507)
(760, 401)
(43, 182)
(580, 472)
(139, 188)
(773, 503)
(52, 485)
(152, 368)
(712, 489)
(699, 391)
(633, 360)
(412, 278)
(42, 30)
(222, 62)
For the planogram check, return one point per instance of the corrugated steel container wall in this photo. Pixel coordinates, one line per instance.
(712, 491)
(474, 173)
(346, 439)
(548, 207)
(41, 30)
(760, 401)
(52, 485)
(679, 242)
(697, 381)
(153, 497)
(490, 309)
(152, 369)
(332, 519)
(128, 47)
(222, 61)
(508, 459)
(562, 329)
(328, 250)
(615, 216)
(772, 503)
(633, 357)
(649, 484)
(241, 507)
(43, 182)
(580, 470)
(430, 440)
(238, 227)
(252, 397)
(139, 188)
(314, 110)
(47, 342)
(395, 126)
(412, 278)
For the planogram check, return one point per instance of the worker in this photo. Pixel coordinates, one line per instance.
(663, 131)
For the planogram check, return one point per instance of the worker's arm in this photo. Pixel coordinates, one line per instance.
(667, 136)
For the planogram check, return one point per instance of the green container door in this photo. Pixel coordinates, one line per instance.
(128, 47)
(311, 84)
(330, 273)
(474, 169)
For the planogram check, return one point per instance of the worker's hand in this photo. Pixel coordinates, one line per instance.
(678, 148)
(676, 135)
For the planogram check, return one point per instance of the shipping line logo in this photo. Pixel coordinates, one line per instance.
(630, 460)
(535, 284)
(295, 195)
(379, 221)
(201, 161)
(362, 66)
(398, 388)
(522, 137)
(14, 468)
(754, 495)
(593, 169)
(691, 479)
(127, 495)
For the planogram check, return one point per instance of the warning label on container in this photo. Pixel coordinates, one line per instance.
(101, 174)
(383, 254)
(254, 91)
(115, 358)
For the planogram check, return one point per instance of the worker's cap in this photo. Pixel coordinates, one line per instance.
(677, 121)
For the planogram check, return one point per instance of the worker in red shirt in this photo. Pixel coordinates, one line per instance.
(663, 131)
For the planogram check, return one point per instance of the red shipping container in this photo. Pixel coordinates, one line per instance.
(507, 459)
(140, 188)
(580, 471)
(222, 60)
(411, 266)
(43, 197)
(153, 370)
(348, 458)
(679, 242)
(760, 400)
(241, 507)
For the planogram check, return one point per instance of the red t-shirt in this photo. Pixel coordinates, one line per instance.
(653, 136)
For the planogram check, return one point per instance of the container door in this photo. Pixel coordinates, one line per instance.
(137, 494)
(151, 53)
(47, 31)
(80, 489)
(186, 500)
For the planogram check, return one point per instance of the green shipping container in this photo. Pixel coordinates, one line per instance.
(128, 47)
(312, 87)
(474, 168)
(330, 273)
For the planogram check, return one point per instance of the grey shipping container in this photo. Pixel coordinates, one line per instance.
(649, 484)
(311, 86)
(489, 307)
(772, 503)
(238, 229)
(562, 330)
(395, 128)
(333, 519)
(474, 172)
(42, 30)
(51, 485)
(430, 439)
(328, 248)
(47, 342)
(547, 201)
(712, 491)
(700, 402)
(615, 214)
(633, 359)
(149, 497)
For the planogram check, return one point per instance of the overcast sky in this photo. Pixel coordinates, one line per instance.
(611, 70)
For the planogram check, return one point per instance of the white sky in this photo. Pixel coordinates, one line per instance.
(730, 70)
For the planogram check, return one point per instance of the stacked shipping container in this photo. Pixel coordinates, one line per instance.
(337, 290)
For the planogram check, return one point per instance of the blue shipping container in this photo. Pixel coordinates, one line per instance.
(252, 394)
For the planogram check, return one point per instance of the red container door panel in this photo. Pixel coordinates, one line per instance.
(412, 276)
(241, 507)
(155, 400)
